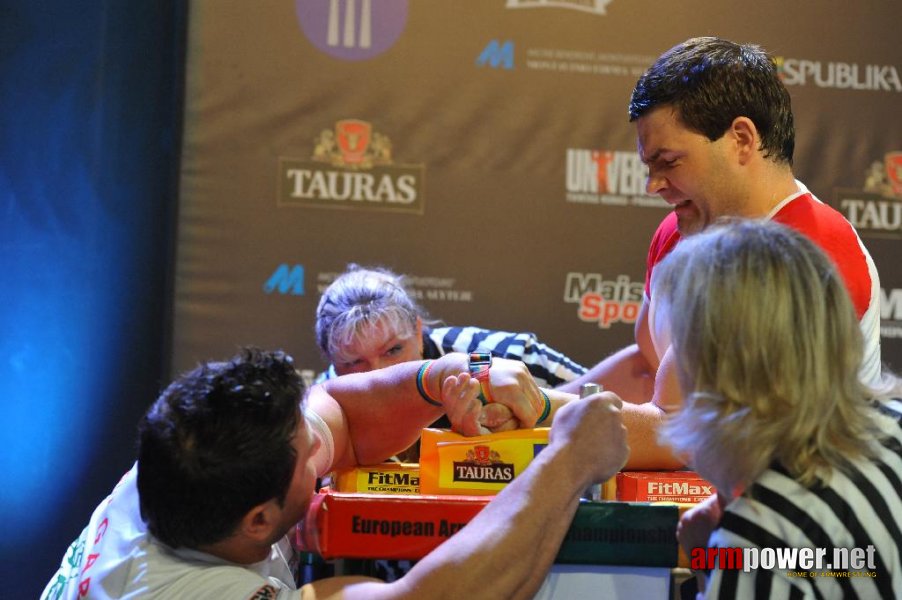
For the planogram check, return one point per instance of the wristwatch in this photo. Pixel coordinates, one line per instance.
(479, 364)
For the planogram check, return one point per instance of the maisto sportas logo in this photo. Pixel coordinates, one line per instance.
(839, 75)
(483, 465)
(352, 29)
(876, 210)
(608, 177)
(604, 301)
(352, 168)
(590, 6)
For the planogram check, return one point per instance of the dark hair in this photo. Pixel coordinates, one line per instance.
(710, 82)
(216, 443)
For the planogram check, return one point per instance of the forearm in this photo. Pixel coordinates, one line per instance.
(627, 373)
(558, 398)
(642, 423)
(486, 559)
(377, 414)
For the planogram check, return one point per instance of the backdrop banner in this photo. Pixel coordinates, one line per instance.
(483, 149)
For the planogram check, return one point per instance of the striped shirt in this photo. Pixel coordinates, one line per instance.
(547, 366)
(855, 509)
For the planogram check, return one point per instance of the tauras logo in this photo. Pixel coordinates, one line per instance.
(502, 473)
(839, 75)
(351, 167)
(604, 301)
(483, 465)
(876, 210)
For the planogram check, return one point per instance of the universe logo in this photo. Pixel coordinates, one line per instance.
(875, 210)
(351, 167)
(596, 7)
(483, 465)
(608, 177)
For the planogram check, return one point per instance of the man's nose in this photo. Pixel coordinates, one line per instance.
(655, 184)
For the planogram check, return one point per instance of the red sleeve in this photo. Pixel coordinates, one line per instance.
(827, 228)
(664, 240)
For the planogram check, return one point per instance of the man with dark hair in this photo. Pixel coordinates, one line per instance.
(228, 458)
(715, 128)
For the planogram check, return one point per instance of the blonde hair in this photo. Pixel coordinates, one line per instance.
(768, 350)
(358, 300)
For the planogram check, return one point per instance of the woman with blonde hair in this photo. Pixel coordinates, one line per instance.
(804, 456)
(367, 319)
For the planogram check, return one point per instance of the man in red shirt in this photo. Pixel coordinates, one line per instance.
(715, 127)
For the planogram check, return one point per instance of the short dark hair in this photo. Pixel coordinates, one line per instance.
(216, 443)
(710, 82)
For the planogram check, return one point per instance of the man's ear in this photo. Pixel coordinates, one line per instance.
(745, 138)
(259, 523)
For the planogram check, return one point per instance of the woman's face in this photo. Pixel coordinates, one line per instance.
(378, 346)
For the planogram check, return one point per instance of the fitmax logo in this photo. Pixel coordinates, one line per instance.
(497, 55)
(286, 279)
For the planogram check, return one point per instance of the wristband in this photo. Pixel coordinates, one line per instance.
(479, 364)
(421, 384)
(547, 408)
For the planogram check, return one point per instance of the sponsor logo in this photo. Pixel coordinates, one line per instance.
(393, 479)
(435, 289)
(352, 29)
(587, 62)
(608, 177)
(286, 279)
(596, 7)
(796, 562)
(891, 313)
(604, 301)
(497, 55)
(678, 488)
(483, 465)
(891, 182)
(351, 167)
(838, 75)
(875, 210)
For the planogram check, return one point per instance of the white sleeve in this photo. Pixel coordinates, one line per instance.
(325, 454)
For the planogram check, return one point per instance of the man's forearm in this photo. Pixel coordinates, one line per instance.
(379, 413)
(488, 558)
(626, 373)
(642, 422)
